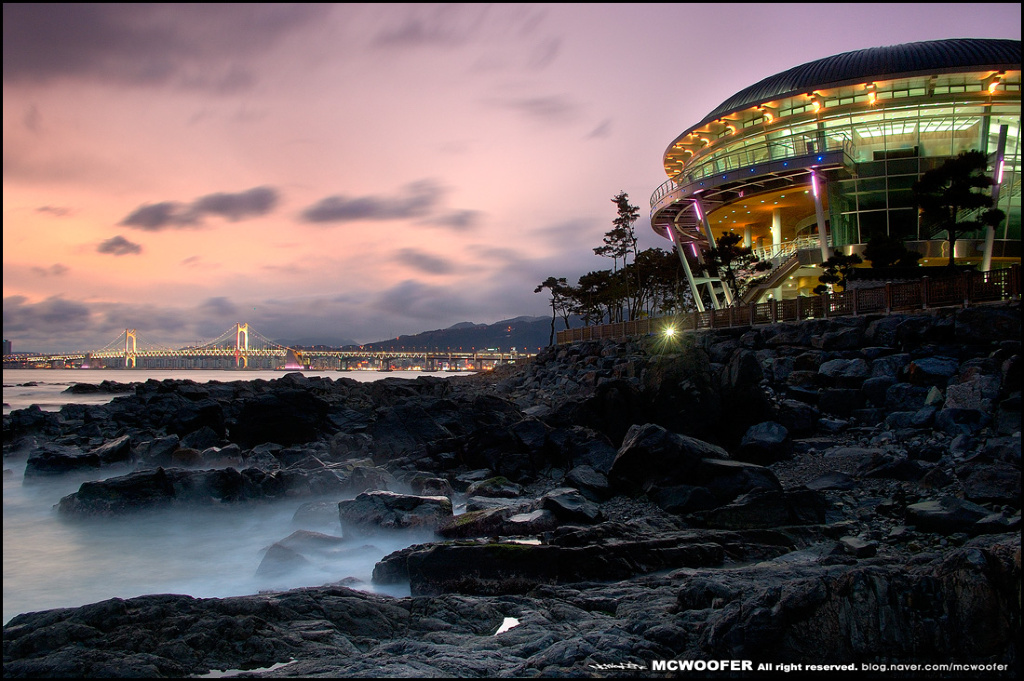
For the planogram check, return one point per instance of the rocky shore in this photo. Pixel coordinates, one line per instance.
(841, 491)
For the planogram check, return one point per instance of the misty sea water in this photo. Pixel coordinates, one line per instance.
(54, 562)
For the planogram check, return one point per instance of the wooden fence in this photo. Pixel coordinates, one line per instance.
(958, 290)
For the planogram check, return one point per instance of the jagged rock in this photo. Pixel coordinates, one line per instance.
(798, 417)
(286, 416)
(591, 484)
(280, 560)
(874, 389)
(495, 487)
(529, 523)
(568, 505)
(999, 483)
(230, 455)
(858, 548)
(961, 421)
(763, 509)
(307, 540)
(381, 509)
(905, 397)
(483, 523)
(847, 369)
(431, 487)
(114, 451)
(201, 439)
(363, 478)
(932, 371)
(650, 454)
(894, 467)
(186, 457)
(50, 459)
(765, 443)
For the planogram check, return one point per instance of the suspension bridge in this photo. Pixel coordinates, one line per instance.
(242, 347)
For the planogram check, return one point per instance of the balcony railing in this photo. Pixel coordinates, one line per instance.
(958, 290)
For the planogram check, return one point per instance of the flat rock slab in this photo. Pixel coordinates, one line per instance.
(947, 515)
(499, 568)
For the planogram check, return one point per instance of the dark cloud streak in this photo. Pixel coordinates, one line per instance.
(118, 245)
(54, 270)
(424, 262)
(176, 215)
(415, 200)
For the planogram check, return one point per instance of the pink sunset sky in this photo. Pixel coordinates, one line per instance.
(334, 172)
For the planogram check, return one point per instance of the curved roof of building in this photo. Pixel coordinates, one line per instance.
(877, 63)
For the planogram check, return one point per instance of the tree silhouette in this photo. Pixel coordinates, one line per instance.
(736, 264)
(837, 269)
(957, 185)
(883, 250)
(558, 288)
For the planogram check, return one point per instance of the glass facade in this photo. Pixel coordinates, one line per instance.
(888, 132)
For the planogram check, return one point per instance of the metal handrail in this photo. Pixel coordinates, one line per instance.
(954, 291)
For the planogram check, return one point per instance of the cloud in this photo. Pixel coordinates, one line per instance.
(416, 200)
(414, 300)
(194, 46)
(603, 129)
(55, 211)
(250, 203)
(118, 245)
(424, 262)
(458, 220)
(432, 26)
(155, 217)
(219, 306)
(54, 315)
(55, 270)
(552, 109)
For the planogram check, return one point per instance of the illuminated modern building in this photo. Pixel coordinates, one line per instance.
(820, 158)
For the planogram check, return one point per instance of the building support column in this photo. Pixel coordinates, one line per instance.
(819, 211)
(990, 230)
(748, 236)
(686, 267)
(702, 215)
(776, 231)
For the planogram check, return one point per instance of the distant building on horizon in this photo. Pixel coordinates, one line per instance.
(820, 158)
(7, 348)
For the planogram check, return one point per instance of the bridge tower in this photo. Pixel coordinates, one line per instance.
(241, 346)
(130, 349)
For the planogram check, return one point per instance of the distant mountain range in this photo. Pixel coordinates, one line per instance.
(525, 334)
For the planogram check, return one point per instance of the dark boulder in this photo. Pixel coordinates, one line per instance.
(51, 459)
(157, 452)
(117, 450)
(946, 515)
(285, 416)
(380, 509)
(765, 443)
(279, 560)
(651, 454)
(568, 505)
